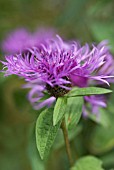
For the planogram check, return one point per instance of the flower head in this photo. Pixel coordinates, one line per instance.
(55, 66)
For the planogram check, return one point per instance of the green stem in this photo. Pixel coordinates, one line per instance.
(68, 150)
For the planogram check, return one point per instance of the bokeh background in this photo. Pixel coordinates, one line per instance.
(85, 20)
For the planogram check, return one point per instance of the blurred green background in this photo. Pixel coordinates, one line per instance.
(86, 20)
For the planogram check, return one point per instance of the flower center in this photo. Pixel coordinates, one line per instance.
(57, 91)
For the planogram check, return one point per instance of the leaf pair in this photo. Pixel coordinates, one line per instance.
(72, 103)
(49, 121)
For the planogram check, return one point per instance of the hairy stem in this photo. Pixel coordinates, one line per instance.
(65, 134)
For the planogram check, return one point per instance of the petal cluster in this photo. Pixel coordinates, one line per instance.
(55, 60)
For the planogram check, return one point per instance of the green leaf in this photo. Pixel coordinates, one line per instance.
(74, 111)
(88, 163)
(59, 109)
(45, 132)
(87, 91)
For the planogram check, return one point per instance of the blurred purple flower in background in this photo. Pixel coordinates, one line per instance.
(53, 67)
(21, 39)
(17, 41)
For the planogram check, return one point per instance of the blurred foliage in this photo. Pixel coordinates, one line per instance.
(86, 20)
(88, 163)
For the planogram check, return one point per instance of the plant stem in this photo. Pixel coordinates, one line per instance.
(68, 150)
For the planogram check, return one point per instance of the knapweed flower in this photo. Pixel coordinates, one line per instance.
(21, 39)
(56, 66)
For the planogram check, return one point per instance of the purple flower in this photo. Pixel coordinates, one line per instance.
(54, 67)
(21, 39)
(17, 41)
